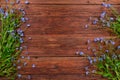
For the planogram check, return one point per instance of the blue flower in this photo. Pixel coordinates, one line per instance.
(28, 25)
(23, 19)
(106, 5)
(94, 60)
(25, 63)
(100, 59)
(18, 61)
(108, 24)
(111, 19)
(103, 14)
(81, 53)
(91, 61)
(18, 67)
(118, 47)
(26, 2)
(89, 58)
(87, 72)
(95, 22)
(88, 41)
(33, 65)
(22, 57)
(86, 26)
(106, 51)
(21, 40)
(17, 1)
(29, 38)
(28, 57)
(19, 75)
(29, 77)
(2, 11)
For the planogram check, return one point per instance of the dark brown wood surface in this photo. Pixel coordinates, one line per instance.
(57, 31)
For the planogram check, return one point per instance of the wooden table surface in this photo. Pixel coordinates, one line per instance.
(57, 31)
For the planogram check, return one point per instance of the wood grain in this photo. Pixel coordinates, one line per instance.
(70, 2)
(58, 31)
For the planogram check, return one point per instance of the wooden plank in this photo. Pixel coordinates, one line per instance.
(59, 45)
(64, 10)
(62, 77)
(62, 25)
(55, 65)
(70, 2)
(75, 1)
(58, 77)
(67, 30)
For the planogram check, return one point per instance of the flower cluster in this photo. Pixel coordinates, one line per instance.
(11, 39)
(106, 58)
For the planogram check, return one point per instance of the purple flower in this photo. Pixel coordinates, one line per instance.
(96, 39)
(108, 24)
(94, 60)
(17, 1)
(109, 5)
(18, 61)
(26, 19)
(21, 48)
(29, 77)
(86, 26)
(28, 57)
(6, 1)
(25, 63)
(26, 2)
(2, 11)
(91, 61)
(14, 65)
(118, 47)
(87, 72)
(33, 65)
(81, 53)
(112, 42)
(111, 19)
(95, 22)
(93, 50)
(88, 41)
(21, 40)
(18, 67)
(100, 59)
(77, 52)
(89, 58)
(28, 25)
(22, 57)
(6, 14)
(30, 38)
(88, 48)
(23, 19)
(23, 13)
(106, 5)
(93, 71)
(103, 14)
(19, 75)
(106, 51)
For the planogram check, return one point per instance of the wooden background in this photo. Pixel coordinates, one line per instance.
(57, 31)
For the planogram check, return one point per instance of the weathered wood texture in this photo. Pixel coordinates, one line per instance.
(57, 31)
